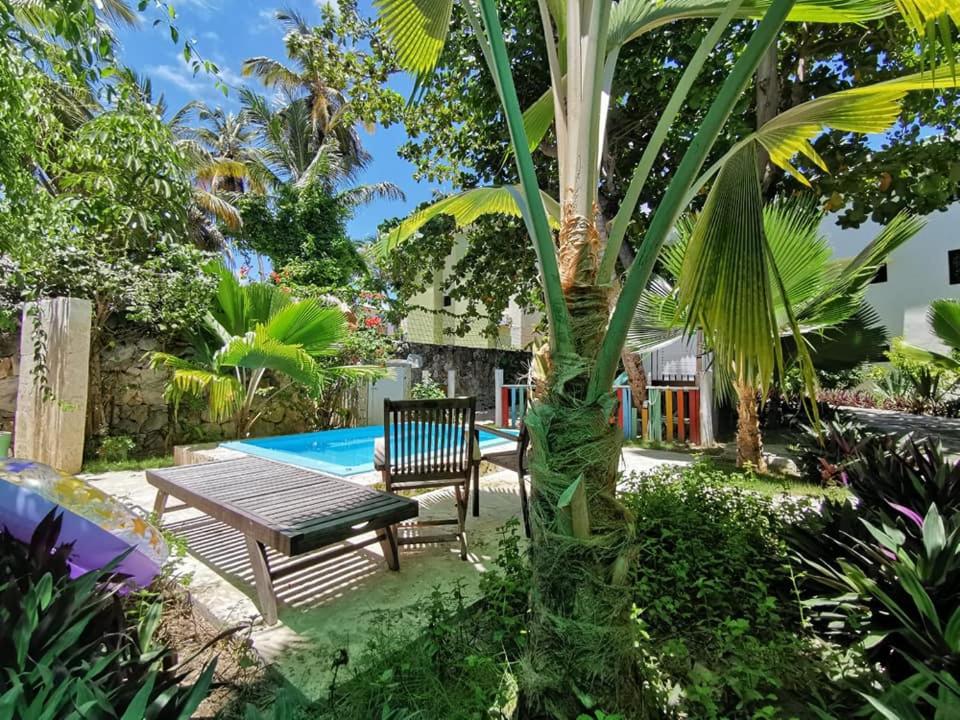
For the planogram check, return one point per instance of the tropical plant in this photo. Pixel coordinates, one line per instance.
(333, 82)
(889, 565)
(67, 649)
(581, 650)
(825, 450)
(250, 331)
(778, 280)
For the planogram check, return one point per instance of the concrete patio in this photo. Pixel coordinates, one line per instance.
(331, 606)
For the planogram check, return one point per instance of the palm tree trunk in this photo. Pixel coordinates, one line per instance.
(749, 440)
(636, 377)
(580, 635)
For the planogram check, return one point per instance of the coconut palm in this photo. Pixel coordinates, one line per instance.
(580, 652)
(250, 331)
(310, 99)
(289, 153)
(774, 278)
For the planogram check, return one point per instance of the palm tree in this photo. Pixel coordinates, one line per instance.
(289, 153)
(310, 99)
(794, 289)
(253, 330)
(580, 651)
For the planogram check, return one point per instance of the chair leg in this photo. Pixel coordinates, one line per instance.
(461, 495)
(263, 581)
(388, 542)
(524, 504)
(476, 490)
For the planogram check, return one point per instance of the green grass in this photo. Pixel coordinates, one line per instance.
(97, 465)
(773, 484)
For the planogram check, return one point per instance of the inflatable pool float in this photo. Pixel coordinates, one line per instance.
(100, 527)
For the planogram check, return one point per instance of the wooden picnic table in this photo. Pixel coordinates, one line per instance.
(290, 509)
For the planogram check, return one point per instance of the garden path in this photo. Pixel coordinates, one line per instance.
(946, 430)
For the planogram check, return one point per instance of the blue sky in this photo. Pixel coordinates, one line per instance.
(228, 32)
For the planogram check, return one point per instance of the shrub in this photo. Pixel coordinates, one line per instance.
(884, 576)
(427, 389)
(824, 451)
(720, 626)
(444, 657)
(67, 647)
(115, 448)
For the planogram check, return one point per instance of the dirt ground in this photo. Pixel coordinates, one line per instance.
(240, 677)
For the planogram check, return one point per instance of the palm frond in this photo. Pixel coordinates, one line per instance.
(366, 194)
(869, 109)
(272, 73)
(657, 321)
(311, 325)
(725, 281)
(464, 208)
(417, 30)
(944, 319)
(218, 207)
(630, 19)
(259, 350)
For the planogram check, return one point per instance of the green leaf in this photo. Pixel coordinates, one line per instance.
(934, 533)
(952, 632)
(465, 208)
(417, 29)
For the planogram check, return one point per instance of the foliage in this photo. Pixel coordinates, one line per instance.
(303, 232)
(251, 330)
(824, 450)
(588, 313)
(97, 466)
(443, 657)
(884, 575)
(720, 628)
(459, 136)
(337, 78)
(916, 380)
(427, 389)
(115, 448)
(67, 647)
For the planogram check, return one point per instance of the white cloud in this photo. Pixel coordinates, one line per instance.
(266, 20)
(210, 35)
(183, 79)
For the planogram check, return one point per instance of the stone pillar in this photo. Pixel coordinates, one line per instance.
(451, 382)
(52, 430)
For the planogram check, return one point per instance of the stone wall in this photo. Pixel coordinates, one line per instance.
(474, 367)
(134, 405)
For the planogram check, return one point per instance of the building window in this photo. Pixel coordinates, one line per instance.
(953, 266)
(881, 276)
(447, 301)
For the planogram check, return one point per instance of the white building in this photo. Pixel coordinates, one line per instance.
(924, 269)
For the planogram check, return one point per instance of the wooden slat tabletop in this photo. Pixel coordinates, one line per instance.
(291, 509)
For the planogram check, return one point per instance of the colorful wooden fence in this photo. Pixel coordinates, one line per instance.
(512, 405)
(670, 413)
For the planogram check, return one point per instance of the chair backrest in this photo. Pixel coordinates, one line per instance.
(428, 439)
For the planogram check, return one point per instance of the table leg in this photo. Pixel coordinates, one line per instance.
(160, 504)
(388, 543)
(264, 583)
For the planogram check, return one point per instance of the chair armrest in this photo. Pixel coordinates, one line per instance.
(498, 432)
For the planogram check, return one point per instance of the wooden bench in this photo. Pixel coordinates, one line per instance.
(290, 509)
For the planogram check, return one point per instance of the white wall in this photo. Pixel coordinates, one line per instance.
(917, 272)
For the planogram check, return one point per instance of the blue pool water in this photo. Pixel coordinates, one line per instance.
(348, 451)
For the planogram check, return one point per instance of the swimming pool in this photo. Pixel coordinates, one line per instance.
(348, 451)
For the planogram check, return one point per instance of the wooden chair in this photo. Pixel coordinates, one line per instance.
(514, 459)
(430, 444)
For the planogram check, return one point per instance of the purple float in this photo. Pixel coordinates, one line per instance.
(100, 527)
